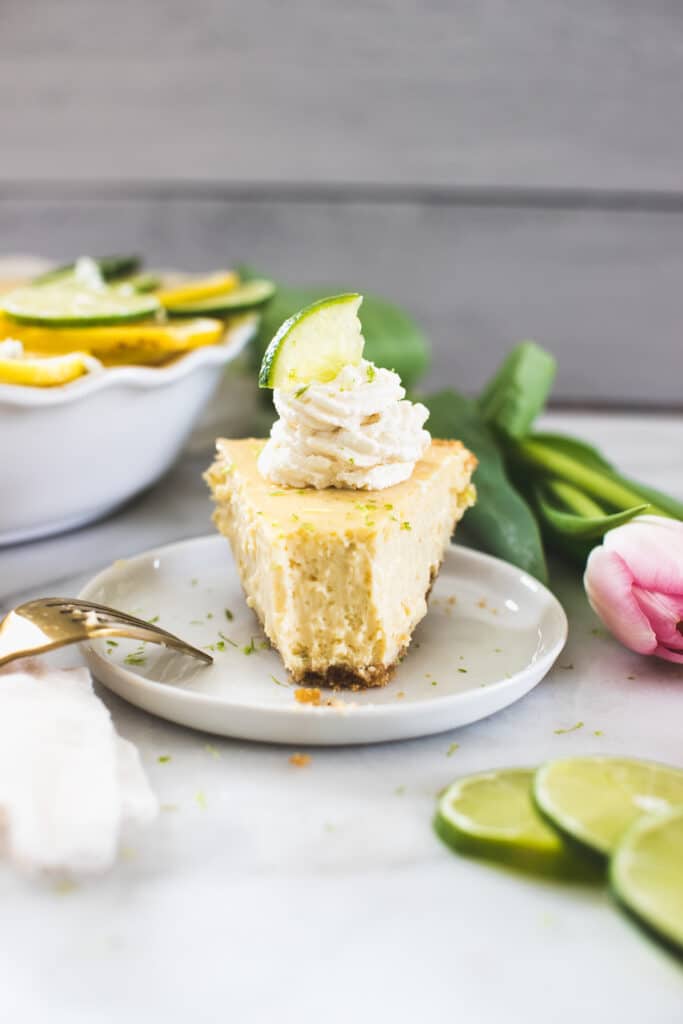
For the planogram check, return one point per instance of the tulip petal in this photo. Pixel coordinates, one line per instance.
(669, 655)
(608, 584)
(665, 615)
(652, 548)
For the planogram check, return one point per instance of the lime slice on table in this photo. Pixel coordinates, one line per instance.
(593, 800)
(239, 299)
(69, 304)
(492, 815)
(314, 344)
(646, 874)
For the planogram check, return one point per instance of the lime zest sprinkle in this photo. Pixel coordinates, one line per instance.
(233, 643)
(155, 618)
(405, 525)
(571, 728)
(212, 751)
(598, 732)
(112, 643)
(452, 749)
(301, 391)
(164, 758)
(209, 615)
(136, 657)
(228, 614)
(371, 373)
(194, 582)
(250, 648)
(462, 669)
(278, 682)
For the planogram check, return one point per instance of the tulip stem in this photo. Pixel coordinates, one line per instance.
(594, 483)
(575, 499)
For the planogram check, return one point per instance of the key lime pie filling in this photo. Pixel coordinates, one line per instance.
(338, 522)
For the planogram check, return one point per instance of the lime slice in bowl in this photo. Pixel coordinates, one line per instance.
(240, 298)
(646, 875)
(314, 344)
(593, 800)
(69, 304)
(491, 815)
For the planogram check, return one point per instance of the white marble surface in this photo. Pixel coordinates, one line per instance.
(321, 893)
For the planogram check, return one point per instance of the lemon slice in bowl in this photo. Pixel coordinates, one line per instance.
(593, 800)
(314, 344)
(69, 304)
(197, 289)
(646, 875)
(148, 341)
(491, 815)
(37, 372)
(240, 298)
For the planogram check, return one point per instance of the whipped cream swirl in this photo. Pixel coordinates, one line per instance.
(356, 431)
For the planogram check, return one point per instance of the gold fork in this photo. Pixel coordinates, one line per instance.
(50, 622)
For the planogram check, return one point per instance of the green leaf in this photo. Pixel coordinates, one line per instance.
(569, 524)
(512, 400)
(501, 522)
(392, 338)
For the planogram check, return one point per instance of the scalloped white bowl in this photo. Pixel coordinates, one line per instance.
(72, 454)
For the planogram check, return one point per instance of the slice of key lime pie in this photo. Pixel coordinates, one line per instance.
(339, 521)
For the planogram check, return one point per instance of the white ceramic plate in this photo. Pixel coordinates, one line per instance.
(492, 633)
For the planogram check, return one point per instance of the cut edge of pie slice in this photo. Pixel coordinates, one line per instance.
(340, 578)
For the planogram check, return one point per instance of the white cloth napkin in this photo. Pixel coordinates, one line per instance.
(68, 782)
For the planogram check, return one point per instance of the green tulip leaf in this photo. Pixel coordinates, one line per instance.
(501, 522)
(517, 393)
(572, 525)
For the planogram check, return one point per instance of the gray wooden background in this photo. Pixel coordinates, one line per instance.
(505, 170)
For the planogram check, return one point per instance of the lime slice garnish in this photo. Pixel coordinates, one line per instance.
(593, 800)
(646, 874)
(239, 299)
(69, 304)
(492, 815)
(314, 344)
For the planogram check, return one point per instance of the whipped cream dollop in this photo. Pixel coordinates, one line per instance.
(356, 431)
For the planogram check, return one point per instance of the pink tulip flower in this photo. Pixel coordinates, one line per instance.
(634, 582)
